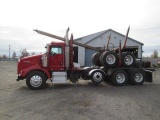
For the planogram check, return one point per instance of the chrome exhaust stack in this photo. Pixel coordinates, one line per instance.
(67, 49)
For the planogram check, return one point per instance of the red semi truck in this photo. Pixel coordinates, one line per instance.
(58, 66)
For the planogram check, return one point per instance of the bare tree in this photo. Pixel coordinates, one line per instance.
(33, 53)
(155, 54)
(24, 53)
(4, 56)
(14, 55)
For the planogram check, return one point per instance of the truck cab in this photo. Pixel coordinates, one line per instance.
(39, 67)
(55, 54)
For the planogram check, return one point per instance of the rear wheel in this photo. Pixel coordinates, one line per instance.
(97, 77)
(119, 78)
(36, 80)
(137, 76)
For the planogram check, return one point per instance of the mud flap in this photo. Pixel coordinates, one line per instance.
(148, 76)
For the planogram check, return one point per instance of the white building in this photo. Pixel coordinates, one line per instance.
(83, 55)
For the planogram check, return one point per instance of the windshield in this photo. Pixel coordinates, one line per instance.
(56, 50)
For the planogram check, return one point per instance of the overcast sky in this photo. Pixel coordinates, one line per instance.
(19, 17)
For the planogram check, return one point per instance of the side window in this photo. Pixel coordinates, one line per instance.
(56, 50)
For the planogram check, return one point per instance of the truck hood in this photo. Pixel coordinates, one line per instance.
(34, 58)
(28, 62)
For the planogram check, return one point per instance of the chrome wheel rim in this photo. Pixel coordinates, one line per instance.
(120, 78)
(97, 76)
(138, 77)
(36, 81)
(110, 59)
(128, 59)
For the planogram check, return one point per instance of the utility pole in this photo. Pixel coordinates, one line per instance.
(9, 53)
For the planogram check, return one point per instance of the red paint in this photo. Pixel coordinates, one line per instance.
(56, 62)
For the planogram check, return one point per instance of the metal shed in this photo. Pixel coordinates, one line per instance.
(99, 40)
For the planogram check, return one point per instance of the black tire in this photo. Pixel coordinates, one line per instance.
(128, 59)
(119, 78)
(97, 77)
(109, 59)
(101, 58)
(107, 80)
(137, 76)
(96, 59)
(36, 80)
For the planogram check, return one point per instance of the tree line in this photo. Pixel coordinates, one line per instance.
(153, 55)
(23, 53)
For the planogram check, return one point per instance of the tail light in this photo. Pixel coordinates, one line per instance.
(44, 60)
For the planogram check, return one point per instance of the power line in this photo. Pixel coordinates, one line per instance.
(140, 29)
(146, 29)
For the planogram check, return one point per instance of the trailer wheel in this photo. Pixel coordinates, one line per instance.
(97, 77)
(119, 78)
(137, 76)
(96, 59)
(110, 59)
(36, 80)
(128, 59)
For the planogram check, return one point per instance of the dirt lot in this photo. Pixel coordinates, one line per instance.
(81, 102)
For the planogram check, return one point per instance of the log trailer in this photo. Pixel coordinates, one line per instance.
(57, 64)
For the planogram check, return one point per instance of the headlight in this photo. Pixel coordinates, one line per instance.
(44, 60)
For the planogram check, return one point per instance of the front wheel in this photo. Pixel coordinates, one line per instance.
(36, 80)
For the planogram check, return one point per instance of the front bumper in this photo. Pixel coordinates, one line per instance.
(19, 78)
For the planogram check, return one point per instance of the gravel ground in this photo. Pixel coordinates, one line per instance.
(81, 102)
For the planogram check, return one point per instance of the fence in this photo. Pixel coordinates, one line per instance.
(153, 61)
(7, 59)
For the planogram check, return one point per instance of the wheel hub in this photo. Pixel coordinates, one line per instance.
(128, 60)
(120, 78)
(97, 76)
(36, 81)
(138, 77)
(110, 59)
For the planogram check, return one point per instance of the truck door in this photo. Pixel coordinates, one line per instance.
(56, 58)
